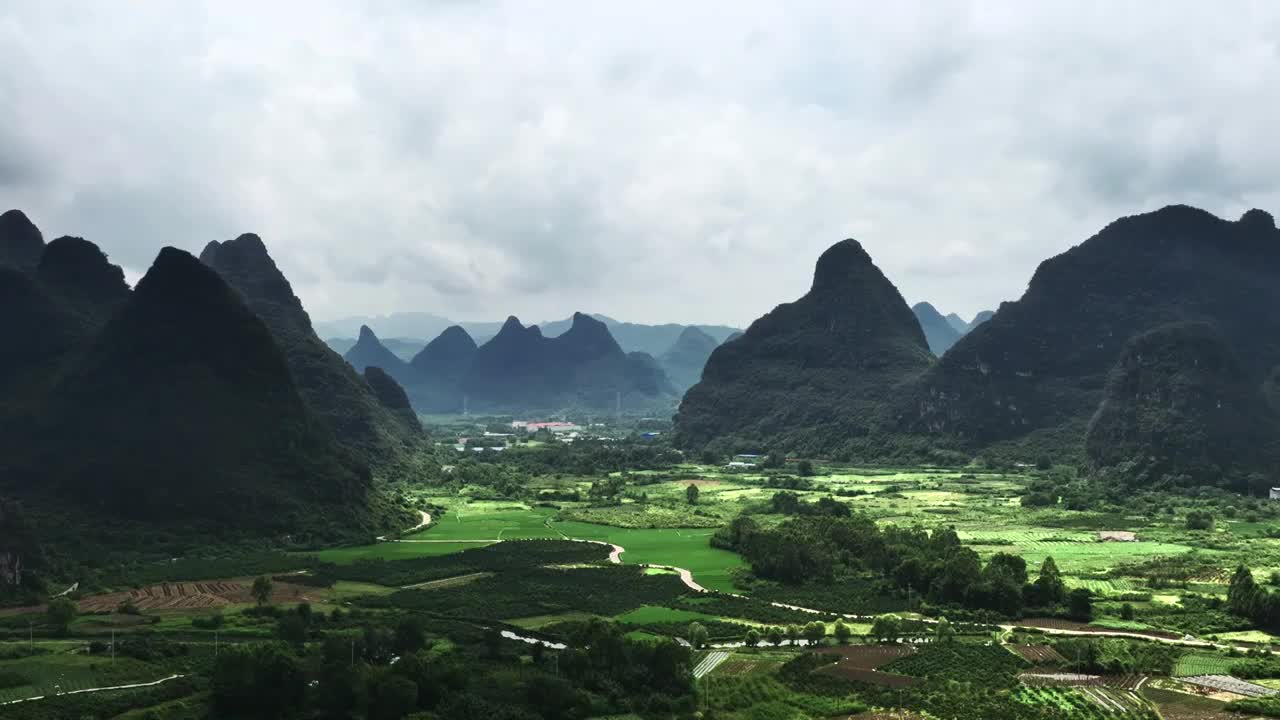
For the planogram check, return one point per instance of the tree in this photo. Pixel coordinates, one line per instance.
(805, 468)
(60, 612)
(753, 638)
(1080, 605)
(814, 632)
(842, 632)
(1199, 520)
(258, 680)
(409, 635)
(1126, 612)
(775, 459)
(261, 589)
(291, 629)
(1050, 590)
(774, 636)
(886, 628)
(794, 633)
(944, 631)
(394, 697)
(697, 635)
(691, 494)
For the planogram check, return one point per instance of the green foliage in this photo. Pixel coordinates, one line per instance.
(261, 589)
(59, 613)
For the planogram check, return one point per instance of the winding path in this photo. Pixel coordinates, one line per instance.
(426, 520)
(93, 690)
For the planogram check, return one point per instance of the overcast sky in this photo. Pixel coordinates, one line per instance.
(654, 161)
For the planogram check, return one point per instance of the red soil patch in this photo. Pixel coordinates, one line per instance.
(190, 595)
(858, 663)
(870, 677)
(869, 657)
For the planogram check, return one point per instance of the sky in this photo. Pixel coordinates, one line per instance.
(655, 162)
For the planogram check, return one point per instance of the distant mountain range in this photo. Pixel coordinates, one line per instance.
(1095, 364)
(943, 332)
(406, 333)
(520, 369)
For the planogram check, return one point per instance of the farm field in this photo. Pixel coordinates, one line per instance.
(1198, 664)
(64, 672)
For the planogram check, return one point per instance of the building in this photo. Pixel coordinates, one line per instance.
(1275, 493)
(555, 427)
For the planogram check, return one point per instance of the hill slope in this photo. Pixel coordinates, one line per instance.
(330, 387)
(1029, 379)
(816, 375)
(1179, 409)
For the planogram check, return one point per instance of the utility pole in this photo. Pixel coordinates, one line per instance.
(215, 643)
(353, 653)
(113, 646)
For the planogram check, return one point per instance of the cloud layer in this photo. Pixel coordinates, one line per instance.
(652, 161)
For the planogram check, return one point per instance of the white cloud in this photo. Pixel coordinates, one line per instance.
(655, 161)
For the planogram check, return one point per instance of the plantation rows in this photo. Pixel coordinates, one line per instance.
(510, 555)
(1085, 703)
(987, 664)
(605, 590)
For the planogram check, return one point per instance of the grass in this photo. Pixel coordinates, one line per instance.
(489, 521)
(647, 614)
(686, 548)
(690, 549)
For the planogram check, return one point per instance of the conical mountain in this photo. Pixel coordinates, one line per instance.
(814, 375)
(981, 317)
(684, 360)
(448, 356)
(439, 369)
(183, 412)
(330, 387)
(938, 331)
(21, 243)
(957, 323)
(1179, 409)
(1030, 378)
(370, 352)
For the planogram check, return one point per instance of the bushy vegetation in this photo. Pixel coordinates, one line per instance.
(833, 550)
